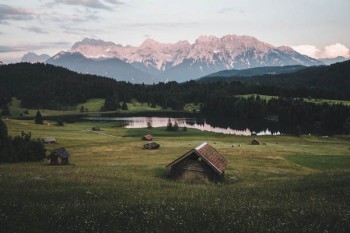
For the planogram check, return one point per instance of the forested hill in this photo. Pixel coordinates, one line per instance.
(39, 85)
(334, 78)
(272, 70)
(47, 86)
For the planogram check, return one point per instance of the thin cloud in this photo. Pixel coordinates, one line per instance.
(228, 10)
(79, 31)
(336, 50)
(309, 50)
(32, 47)
(95, 4)
(159, 26)
(34, 29)
(7, 49)
(225, 10)
(115, 2)
(330, 51)
(11, 13)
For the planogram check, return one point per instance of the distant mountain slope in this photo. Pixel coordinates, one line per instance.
(33, 57)
(335, 78)
(329, 61)
(107, 67)
(183, 61)
(272, 70)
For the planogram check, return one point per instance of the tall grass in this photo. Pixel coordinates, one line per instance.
(113, 185)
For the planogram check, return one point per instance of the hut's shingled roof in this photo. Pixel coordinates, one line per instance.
(48, 139)
(212, 156)
(61, 152)
(148, 137)
(209, 155)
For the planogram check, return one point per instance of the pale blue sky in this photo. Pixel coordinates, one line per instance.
(48, 26)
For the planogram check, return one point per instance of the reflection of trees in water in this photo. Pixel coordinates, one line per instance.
(241, 124)
(261, 126)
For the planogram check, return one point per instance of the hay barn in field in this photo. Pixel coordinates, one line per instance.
(201, 164)
(255, 141)
(151, 146)
(58, 156)
(147, 137)
(48, 140)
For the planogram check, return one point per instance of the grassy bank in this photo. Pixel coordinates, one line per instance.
(289, 184)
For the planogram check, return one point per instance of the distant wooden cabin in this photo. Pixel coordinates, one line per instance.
(96, 129)
(151, 146)
(59, 156)
(201, 164)
(48, 140)
(255, 141)
(147, 137)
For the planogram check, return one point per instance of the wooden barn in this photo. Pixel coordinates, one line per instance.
(58, 156)
(48, 140)
(201, 164)
(151, 146)
(255, 141)
(95, 129)
(147, 137)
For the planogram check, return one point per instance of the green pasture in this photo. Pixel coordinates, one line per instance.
(93, 107)
(287, 184)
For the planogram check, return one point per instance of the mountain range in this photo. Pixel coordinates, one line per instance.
(34, 58)
(153, 61)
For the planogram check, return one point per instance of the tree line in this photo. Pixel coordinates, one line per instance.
(297, 112)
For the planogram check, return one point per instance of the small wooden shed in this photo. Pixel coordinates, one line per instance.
(147, 137)
(151, 146)
(96, 129)
(48, 140)
(255, 141)
(201, 164)
(58, 156)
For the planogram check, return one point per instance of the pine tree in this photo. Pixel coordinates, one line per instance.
(176, 126)
(124, 106)
(169, 126)
(38, 118)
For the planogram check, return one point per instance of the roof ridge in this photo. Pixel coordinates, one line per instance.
(200, 146)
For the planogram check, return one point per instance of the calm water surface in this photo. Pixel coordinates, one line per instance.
(194, 123)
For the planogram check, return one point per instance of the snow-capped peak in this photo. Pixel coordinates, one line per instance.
(227, 52)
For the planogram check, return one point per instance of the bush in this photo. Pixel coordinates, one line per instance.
(21, 148)
(60, 123)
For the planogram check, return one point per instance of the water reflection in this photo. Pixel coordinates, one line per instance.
(221, 126)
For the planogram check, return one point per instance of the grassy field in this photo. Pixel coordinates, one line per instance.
(93, 106)
(289, 184)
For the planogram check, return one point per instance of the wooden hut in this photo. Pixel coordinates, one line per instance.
(48, 140)
(58, 156)
(147, 137)
(255, 141)
(151, 146)
(96, 129)
(201, 164)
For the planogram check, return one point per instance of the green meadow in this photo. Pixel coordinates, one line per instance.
(286, 184)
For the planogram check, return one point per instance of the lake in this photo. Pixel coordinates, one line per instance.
(235, 127)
